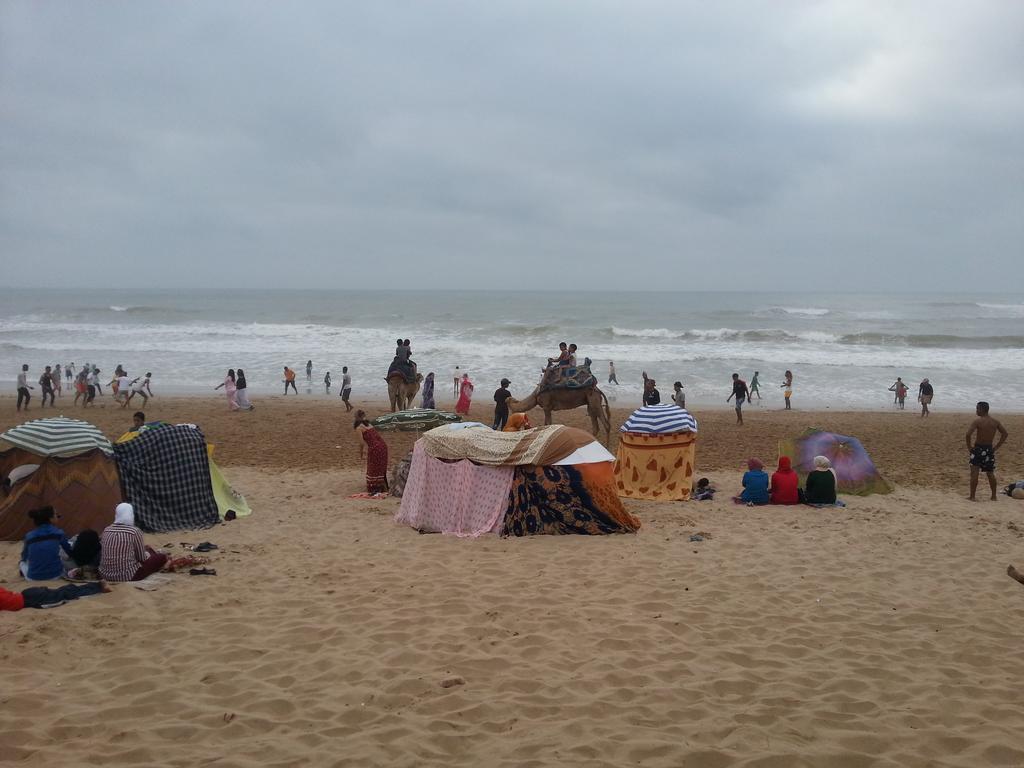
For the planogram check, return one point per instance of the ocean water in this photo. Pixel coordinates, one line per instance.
(844, 349)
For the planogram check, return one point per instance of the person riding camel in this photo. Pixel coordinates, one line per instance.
(403, 362)
(563, 356)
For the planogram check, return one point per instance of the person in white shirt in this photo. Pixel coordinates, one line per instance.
(124, 385)
(457, 376)
(24, 396)
(140, 387)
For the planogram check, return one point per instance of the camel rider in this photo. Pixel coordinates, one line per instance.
(563, 356)
(403, 360)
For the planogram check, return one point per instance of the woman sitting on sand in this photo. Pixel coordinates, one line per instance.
(376, 454)
(755, 484)
(428, 392)
(821, 483)
(40, 554)
(124, 555)
(785, 483)
(230, 389)
(465, 395)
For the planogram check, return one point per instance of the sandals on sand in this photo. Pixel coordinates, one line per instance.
(203, 572)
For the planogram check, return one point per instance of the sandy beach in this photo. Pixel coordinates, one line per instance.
(883, 634)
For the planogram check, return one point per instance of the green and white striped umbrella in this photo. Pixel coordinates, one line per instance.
(415, 420)
(57, 436)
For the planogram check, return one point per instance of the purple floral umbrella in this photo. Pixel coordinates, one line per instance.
(855, 472)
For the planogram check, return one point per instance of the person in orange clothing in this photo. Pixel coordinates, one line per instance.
(289, 380)
(517, 422)
(785, 487)
(43, 597)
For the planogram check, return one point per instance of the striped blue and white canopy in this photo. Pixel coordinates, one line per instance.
(660, 420)
(57, 436)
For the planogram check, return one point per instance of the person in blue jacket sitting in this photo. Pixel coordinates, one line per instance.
(40, 554)
(755, 484)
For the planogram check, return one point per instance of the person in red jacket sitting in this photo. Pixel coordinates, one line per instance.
(785, 484)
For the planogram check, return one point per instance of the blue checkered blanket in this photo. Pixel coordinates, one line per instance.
(165, 475)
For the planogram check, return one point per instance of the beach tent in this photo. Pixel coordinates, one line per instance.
(855, 472)
(550, 480)
(165, 474)
(73, 473)
(227, 498)
(414, 420)
(656, 454)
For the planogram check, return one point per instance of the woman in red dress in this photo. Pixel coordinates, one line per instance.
(465, 395)
(376, 454)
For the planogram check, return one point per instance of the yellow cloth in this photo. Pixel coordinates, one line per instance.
(656, 467)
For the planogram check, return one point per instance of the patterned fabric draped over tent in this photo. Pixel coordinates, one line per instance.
(855, 472)
(559, 500)
(656, 467)
(57, 436)
(165, 474)
(83, 489)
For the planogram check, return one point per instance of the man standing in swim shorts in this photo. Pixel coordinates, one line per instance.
(925, 392)
(741, 393)
(983, 453)
(755, 386)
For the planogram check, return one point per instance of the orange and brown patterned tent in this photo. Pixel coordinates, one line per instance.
(656, 454)
(83, 489)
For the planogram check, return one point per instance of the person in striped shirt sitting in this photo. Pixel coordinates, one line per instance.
(124, 555)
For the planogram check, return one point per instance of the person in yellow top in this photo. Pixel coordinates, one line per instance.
(289, 380)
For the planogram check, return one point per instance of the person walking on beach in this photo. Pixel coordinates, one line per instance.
(501, 396)
(741, 393)
(457, 376)
(69, 373)
(612, 379)
(96, 381)
(46, 385)
(80, 390)
(241, 391)
(58, 380)
(289, 380)
(755, 387)
(24, 396)
(428, 392)
(309, 371)
(983, 453)
(465, 395)
(787, 387)
(925, 392)
(230, 389)
(346, 388)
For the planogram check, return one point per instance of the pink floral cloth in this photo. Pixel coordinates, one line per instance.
(460, 497)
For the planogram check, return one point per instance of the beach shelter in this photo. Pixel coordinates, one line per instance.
(165, 474)
(471, 480)
(414, 420)
(656, 454)
(855, 472)
(227, 498)
(62, 463)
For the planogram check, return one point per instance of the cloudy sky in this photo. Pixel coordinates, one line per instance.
(776, 145)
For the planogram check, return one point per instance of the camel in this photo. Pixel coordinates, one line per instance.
(401, 392)
(566, 400)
